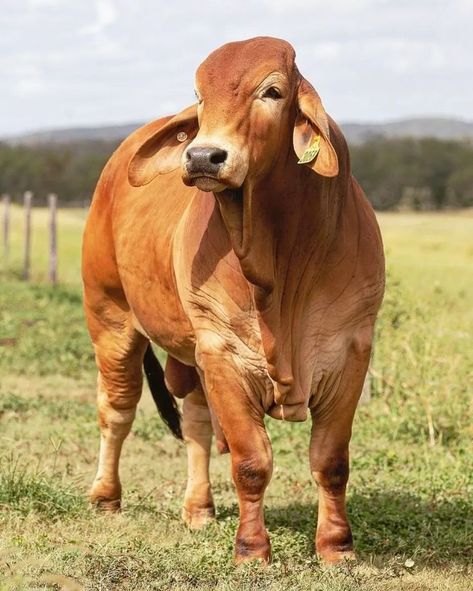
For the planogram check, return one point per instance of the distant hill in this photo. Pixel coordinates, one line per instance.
(437, 127)
(356, 133)
(108, 133)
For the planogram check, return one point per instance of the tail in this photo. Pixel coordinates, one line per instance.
(163, 399)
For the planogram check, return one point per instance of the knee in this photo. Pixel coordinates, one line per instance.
(252, 475)
(332, 475)
(119, 391)
(114, 409)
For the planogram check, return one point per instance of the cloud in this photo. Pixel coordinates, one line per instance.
(30, 82)
(328, 50)
(66, 62)
(44, 3)
(106, 15)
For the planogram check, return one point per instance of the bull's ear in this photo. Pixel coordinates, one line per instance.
(162, 151)
(311, 133)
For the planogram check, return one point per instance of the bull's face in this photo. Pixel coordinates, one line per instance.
(245, 97)
(254, 110)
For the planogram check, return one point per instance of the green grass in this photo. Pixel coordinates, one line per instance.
(43, 330)
(28, 490)
(411, 485)
(70, 224)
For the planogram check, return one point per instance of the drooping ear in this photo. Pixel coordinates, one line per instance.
(311, 136)
(162, 151)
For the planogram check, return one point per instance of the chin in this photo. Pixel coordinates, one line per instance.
(208, 184)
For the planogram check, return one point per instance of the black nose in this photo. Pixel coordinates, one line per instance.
(205, 160)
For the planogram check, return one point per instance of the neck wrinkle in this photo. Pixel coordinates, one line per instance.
(289, 216)
(294, 224)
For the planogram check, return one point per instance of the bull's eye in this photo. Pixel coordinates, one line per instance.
(273, 93)
(199, 99)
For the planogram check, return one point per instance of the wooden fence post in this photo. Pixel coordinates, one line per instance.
(27, 200)
(6, 228)
(365, 397)
(52, 202)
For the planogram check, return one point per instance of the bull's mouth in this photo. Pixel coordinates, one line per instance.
(205, 183)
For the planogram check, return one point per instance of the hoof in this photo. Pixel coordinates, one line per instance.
(333, 557)
(105, 498)
(198, 518)
(334, 544)
(249, 550)
(106, 505)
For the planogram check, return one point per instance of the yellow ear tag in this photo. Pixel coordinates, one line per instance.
(311, 152)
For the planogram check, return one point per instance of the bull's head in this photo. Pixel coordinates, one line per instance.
(251, 99)
(254, 112)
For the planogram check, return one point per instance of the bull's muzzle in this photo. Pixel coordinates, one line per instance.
(205, 161)
(212, 168)
(203, 167)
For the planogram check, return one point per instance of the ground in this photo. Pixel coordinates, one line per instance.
(411, 486)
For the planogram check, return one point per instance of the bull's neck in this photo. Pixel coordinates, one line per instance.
(289, 222)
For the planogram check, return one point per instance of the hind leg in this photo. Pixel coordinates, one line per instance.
(198, 507)
(119, 351)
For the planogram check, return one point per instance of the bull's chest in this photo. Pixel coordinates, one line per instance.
(220, 305)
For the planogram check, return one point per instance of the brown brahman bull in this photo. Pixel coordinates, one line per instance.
(234, 236)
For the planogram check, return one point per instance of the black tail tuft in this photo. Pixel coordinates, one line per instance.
(163, 399)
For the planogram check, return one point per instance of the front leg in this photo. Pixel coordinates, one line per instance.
(330, 469)
(241, 418)
(332, 422)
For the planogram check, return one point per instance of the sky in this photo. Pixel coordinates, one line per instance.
(68, 63)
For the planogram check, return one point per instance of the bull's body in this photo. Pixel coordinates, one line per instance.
(278, 327)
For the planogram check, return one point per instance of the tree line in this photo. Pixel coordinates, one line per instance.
(69, 170)
(421, 174)
(402, 173)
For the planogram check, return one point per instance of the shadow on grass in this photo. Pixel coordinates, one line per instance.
(394, 524)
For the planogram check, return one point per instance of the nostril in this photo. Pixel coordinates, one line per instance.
(201, 159)
(218, 156)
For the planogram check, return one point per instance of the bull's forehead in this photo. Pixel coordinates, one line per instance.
(244, 64)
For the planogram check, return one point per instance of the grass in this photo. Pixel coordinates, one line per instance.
(25, 490)
(411, 486)
(69, 222)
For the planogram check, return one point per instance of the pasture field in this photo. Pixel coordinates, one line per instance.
(411, 487)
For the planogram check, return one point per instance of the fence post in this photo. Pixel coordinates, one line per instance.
(27, 199)
(6, 228)
(52, 202)
(365, 397)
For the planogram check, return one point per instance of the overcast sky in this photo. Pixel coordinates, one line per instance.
(86, 62)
